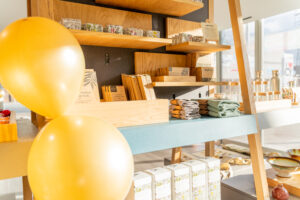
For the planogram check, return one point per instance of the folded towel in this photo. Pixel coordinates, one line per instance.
(224, 114)
(223, 105)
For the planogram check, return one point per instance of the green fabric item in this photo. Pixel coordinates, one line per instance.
(224, 114)
(223, 108)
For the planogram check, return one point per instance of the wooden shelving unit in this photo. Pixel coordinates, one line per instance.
(116, 40)
(192, 47)
(166, 7)
(187, 84)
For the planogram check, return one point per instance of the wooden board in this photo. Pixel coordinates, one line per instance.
(101, 15)
(186, 84)
(176, 26)
(149, 63)
(116, 40)
(291, 184)
(126, 113)
(167, 7)
(174, 79)
(193, 47)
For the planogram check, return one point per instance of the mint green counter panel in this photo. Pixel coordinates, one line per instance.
(179, 133)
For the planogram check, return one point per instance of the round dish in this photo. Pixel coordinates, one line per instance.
(294, 153)
(284, 166)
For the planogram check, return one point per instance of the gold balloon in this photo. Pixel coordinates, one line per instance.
(80, 158)
(41, 65)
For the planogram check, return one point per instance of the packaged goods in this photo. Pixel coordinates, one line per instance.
(213, 178)
(154, 34)
(174, 71)
(198, 177)
(70, 23)
(134, 31)
(180, 181)
(161, 183)
(113, 29)
(142, 186)
(204, 74)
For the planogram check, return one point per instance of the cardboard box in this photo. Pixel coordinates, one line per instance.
(180, 181)
(161, 183)
(214, 180)
(204, 74)
(174, 71)
(198, 177)
(142, 186)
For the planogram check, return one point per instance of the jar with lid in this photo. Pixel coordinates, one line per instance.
(262, 96)
(270, 96)
(265, 86)
(235, 91)
(277, 95)
(255, 96)
(275, 81)
(258, 86)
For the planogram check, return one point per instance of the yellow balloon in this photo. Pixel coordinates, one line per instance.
(41, 64)
(80, 158)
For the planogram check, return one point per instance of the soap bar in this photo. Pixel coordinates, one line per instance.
(198, 177)
(142, 186)
(161, 183)
(213, 178)
(180, 181)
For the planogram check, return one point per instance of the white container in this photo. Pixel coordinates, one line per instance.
(213, 179)
(161, 183)
(180, 181)
(142, 186)
(198, 177)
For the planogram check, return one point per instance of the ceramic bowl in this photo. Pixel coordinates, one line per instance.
(284, 166)
(294, 153)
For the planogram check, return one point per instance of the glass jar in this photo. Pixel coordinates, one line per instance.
(258, 86)
(235, 91)
(255, 96)
(265, 86)
(262, 96)
(277, 95)
(270, 96)
(275, 82)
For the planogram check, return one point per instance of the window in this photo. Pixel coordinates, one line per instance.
(281, 46)
(229, 69)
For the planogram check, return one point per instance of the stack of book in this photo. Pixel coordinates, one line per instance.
(114, 93)
(138, 87)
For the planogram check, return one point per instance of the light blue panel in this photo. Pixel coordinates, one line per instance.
(179, 133)
(278, 118)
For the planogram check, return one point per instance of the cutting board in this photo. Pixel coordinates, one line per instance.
(291, 184)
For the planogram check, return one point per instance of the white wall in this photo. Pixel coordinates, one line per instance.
(11, 10)
(258, 9)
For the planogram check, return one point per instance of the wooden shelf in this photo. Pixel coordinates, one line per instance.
(166, 7)
(120, 41)
(142, 139)
(177, 133)
(186, 84)
(190, 47)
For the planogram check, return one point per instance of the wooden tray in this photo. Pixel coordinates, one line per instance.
(174, 79)
(9, 132)
(291, 184)
(121, 113)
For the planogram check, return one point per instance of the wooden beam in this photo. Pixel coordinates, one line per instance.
(176, 155)
(211, 11)
(27, 194)
(256, 152)
(210, 149)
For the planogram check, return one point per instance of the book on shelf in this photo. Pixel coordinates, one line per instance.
(114, 93)
(138, 87)
(174, 71)
(89, 91)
